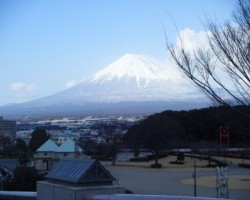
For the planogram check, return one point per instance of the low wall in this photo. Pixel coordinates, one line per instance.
(59, 191)
(146, 197)
(16, 195)
(11, 195)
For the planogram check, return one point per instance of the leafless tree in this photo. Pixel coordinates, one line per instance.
(113, 141)
(229, 50)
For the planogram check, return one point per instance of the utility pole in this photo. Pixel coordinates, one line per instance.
(194, 175)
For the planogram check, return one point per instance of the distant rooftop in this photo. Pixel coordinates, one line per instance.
(48, 146)
(68, 146)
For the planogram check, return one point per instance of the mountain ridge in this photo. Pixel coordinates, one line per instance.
(131, 78)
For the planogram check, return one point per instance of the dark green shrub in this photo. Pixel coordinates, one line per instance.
(139, 159)
(244, 165)
(156, 165)
(25, 179)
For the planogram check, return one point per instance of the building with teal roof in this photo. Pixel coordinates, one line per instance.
(69, 146)
(48, 146)
(49, 153)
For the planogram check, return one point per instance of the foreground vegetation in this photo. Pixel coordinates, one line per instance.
(194, 129)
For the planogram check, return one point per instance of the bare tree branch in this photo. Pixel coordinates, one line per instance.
(229, 50)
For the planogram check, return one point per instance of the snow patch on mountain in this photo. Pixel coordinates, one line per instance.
(142, 68)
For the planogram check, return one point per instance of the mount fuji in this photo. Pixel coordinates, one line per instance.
(132, 84)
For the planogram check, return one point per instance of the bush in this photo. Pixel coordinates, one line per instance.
(140, 159)
(128, 192)
(152, 157)
(176, 162)
(12, 186)
(244, 165)
(25, 179)
(180, 157)
(156, 165)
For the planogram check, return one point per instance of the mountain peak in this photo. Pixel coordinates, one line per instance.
(132, 66)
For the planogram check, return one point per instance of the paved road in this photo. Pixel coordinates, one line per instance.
(162, 182)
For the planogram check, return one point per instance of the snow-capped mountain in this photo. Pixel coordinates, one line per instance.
(132, 66)
(131, 78)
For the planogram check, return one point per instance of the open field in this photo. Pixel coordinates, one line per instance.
(177, 179)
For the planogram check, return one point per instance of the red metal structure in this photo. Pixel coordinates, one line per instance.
(224, 135)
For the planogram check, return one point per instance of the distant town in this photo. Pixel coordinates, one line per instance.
(60, 129)
(78, 129)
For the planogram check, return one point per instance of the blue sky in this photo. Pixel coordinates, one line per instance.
(47, 44)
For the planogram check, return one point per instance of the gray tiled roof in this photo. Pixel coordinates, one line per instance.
(80, 171)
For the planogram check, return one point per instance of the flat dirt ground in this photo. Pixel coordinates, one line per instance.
(239, 182)
(176, 180)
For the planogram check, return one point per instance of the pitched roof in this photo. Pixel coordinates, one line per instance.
(80, 171)
(69, 146)
(48, 146)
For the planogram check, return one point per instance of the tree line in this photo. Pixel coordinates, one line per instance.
(189, 129)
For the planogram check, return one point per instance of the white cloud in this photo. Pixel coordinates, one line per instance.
(31, 87)
(17, 86)
(70, 83)
(192, 40)
(22, 89)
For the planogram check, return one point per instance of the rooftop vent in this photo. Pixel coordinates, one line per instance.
(80, 171)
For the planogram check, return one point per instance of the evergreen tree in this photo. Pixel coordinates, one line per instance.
(38, 137)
